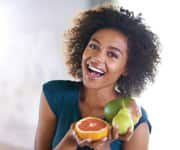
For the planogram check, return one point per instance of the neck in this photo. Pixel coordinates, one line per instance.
(98, 98)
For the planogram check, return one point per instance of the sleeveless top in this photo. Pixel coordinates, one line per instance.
(62, 97)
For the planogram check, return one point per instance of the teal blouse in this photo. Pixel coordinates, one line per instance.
(62, 97)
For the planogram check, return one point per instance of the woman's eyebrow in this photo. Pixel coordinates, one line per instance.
(95, 40)
(115, 48)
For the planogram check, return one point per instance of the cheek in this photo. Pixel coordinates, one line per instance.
(117, 69)
(85, 54)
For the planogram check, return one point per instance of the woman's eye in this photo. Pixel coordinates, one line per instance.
(93, 46)
(112, 55)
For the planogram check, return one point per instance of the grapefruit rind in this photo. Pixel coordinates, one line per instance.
(93, 135)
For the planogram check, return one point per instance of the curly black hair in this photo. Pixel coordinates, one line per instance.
(143, 45)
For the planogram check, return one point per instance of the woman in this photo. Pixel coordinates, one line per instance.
(113, 54)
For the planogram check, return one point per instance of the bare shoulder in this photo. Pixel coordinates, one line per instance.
(45, 111)
(46, 125)
(140, 138)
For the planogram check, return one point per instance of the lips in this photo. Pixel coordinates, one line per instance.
(95, 70)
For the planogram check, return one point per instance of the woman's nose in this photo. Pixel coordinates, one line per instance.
(100, 56)
(96, 62)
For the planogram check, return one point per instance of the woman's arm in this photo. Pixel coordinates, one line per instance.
(46, 126)
(139, 140)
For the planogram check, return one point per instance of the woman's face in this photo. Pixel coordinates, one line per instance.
(104, 59)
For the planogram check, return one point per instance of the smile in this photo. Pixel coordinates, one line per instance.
(94, 72)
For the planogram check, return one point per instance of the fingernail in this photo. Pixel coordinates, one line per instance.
(88, 140)
(104, 139)
(131, 130)
(73, 132)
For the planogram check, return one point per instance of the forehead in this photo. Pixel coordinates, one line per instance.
(110, 36)
(107, 31)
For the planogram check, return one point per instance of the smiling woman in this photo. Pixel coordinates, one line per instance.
(104, 58)
(113, 54)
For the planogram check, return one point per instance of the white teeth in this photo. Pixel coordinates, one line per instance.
(95, 69)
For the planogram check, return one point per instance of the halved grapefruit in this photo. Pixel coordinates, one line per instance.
(91, 128)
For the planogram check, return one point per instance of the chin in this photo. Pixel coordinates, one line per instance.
(96, 84)
(92, 84)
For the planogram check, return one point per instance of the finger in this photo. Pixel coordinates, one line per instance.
(130, 130)
(85, 142)
(77, 138)
(73, 131)
(124, 137)
(128, 135)
(110, 133)
(139, 113)
(72, 127)
(104, 139)
(80, 142)
(97, 144)
(115, 133)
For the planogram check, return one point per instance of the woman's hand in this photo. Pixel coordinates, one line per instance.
(126, 137)
(103, 144)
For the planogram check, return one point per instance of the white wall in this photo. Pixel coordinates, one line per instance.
(31, 53)
(161, 99)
